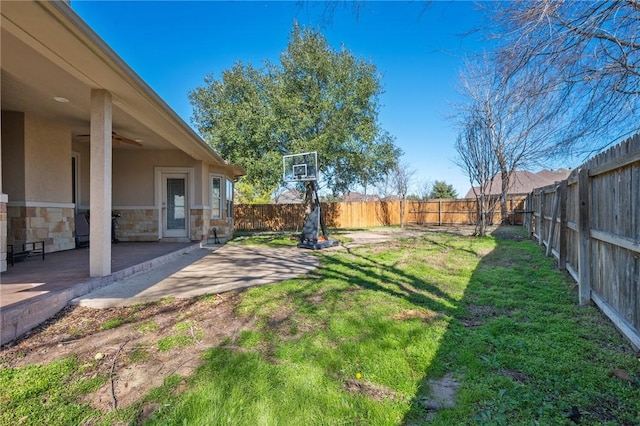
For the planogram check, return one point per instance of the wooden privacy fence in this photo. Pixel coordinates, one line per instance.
(590, 224)
(279, 217)
(461, 212)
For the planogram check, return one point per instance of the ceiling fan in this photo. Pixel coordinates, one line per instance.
(116, 139)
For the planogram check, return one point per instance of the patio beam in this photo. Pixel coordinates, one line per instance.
(100, 188)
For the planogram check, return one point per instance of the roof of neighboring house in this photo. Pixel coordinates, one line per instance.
(49, 51)
(354, 197)
(523, 181)
(290, 196)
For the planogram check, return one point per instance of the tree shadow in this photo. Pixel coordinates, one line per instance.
(502, 343)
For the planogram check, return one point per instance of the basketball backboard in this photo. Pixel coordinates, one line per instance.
(300, 167)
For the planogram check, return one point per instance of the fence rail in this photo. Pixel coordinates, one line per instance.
(589, 223)
(279, 217)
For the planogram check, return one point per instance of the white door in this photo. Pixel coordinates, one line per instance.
(175, 205)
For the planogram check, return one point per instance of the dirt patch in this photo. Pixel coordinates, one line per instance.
(373, 391)
(516, 376)
(415, 313)
(509, 232)
(131, 350)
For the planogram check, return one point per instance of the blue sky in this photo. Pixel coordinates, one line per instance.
(418, 50)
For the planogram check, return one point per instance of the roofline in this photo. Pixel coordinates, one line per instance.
(126, 71)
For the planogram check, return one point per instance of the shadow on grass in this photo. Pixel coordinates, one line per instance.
(519, 350)
(508, 337)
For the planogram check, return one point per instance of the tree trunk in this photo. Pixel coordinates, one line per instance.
(504, 211)
(482, 211)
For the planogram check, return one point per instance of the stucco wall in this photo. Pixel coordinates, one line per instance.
(47, 161)
(13, 170)
(134, 191)
(133, 174)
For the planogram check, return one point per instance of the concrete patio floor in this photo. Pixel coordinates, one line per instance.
(34, 290)
(231, 267)
(34, 276)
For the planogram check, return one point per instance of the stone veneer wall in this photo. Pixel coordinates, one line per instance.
(137, 224)
(3, 237)
(53, 225)
(199, 226)
(142, 225)
(224, 229)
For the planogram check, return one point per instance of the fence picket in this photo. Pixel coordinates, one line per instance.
(599, 235)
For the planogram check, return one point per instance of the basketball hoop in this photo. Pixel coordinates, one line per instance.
(304, 168)
(300, 167)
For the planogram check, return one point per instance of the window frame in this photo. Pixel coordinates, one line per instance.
(219, 200)
(228, 198)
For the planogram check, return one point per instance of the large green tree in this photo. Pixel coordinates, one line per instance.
(316, 99)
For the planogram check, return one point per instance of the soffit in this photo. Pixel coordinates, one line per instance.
(47, 51)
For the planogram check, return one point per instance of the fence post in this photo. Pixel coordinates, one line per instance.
(584, 229)
(528, 213)
(541, 221)
(562, 235)
(440, 212)
(552, 225)
(512, 214)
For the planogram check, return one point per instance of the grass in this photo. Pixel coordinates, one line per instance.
(269, 239)
(284, 238)
(186, 334)
(359, 340)
(356, 342)
(45, 394)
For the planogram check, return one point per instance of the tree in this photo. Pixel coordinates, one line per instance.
(397, 183)
(517, 126)
(246, 193)
(585, 52)
(317, 99)
(442, 189)
(476, 158)
(424, 190)
(234, 116)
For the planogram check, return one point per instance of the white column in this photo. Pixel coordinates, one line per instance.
(3, 213)
(100, 176)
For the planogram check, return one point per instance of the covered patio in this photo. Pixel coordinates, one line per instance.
(34, 289)
(83, 136)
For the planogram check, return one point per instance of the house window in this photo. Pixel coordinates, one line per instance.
(216, 197)
(229, 198)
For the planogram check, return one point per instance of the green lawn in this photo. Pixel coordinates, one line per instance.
(359, 340)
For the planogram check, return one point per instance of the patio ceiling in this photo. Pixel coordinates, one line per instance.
(48, 51)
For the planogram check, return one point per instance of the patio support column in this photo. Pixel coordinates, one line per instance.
(100, 176)
(3, 216)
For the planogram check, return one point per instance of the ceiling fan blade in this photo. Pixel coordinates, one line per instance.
(116, 139)
(123, 139)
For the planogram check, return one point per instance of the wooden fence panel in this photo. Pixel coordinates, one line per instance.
(279, 217)
(601, 232)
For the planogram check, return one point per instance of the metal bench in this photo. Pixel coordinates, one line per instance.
(28, 249)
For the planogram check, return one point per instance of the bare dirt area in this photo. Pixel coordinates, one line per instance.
(148, 343)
